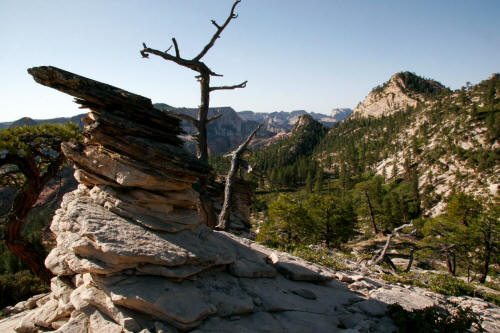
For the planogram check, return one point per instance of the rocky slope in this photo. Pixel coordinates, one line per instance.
(448, 139)
(403, 90)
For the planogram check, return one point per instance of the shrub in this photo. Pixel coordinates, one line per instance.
(19, 286)
(321, 257)
(434, 319)
(449, 285)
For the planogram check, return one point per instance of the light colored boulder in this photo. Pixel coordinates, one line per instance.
(278, 294)
(78, 323)
(100, 323)
(107, 243)
(372, 307)
(407, 299)
(143, 294)
(173, 213)
(125, 171)
(298, 269)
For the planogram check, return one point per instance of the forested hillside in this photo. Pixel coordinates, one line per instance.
(431, 161)
(449, 141)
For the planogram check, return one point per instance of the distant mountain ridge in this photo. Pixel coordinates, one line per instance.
(27, 121)
(233, 127)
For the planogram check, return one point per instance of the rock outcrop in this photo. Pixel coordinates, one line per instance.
(132, 253)
(403, 90)
(133, 256)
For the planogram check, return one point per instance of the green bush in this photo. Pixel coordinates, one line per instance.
(321, 257)
(19, 287)
(434, 319)
(449, 285)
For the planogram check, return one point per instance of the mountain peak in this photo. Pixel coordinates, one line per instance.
(306, 123)
(402, 90)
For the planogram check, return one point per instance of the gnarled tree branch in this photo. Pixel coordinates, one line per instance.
(185, 117)
(177, 53)
(382, 257)
(214, 118)
(241, 85)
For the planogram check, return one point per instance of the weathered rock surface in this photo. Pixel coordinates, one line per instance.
(395, 95)
(132, 256)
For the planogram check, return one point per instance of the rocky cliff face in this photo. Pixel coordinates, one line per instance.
(339, 114)
(403, 90)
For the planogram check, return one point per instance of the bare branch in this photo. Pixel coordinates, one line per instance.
(185, 117)
(214, 118)
(177, 54)
(196, 66)
(241, 85)
(244, 145)
(381, 257)
(215, 23)
(166, 51)
(207, 47)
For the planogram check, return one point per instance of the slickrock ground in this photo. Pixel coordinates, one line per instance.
(133, 256)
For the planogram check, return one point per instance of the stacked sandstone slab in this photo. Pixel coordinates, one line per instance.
(133, 255)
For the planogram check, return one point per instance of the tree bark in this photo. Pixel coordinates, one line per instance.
(372, 215)
(410, 260)
(488, 249)
(228, 190)
(23, 203)
(382, 255)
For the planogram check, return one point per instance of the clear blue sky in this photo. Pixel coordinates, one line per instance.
(296, 54)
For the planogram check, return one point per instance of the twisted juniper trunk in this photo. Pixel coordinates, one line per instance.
(23, 203)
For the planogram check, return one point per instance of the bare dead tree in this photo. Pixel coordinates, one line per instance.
(228, 190)
(381, 256)
(203, 77)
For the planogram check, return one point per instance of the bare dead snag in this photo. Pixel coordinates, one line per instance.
(381, 257)
(203, 77)
(200, 124)
(228, 190)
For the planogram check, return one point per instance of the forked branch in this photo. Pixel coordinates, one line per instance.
(207, 47)
(378, 260)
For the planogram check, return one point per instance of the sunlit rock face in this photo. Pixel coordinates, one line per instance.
(403, 90)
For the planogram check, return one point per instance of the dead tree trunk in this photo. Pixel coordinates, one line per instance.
(200, 124)
(205, 73)
(381, 257)
(450, 259)
(23, 203)
(372, 214)
(228, 190)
